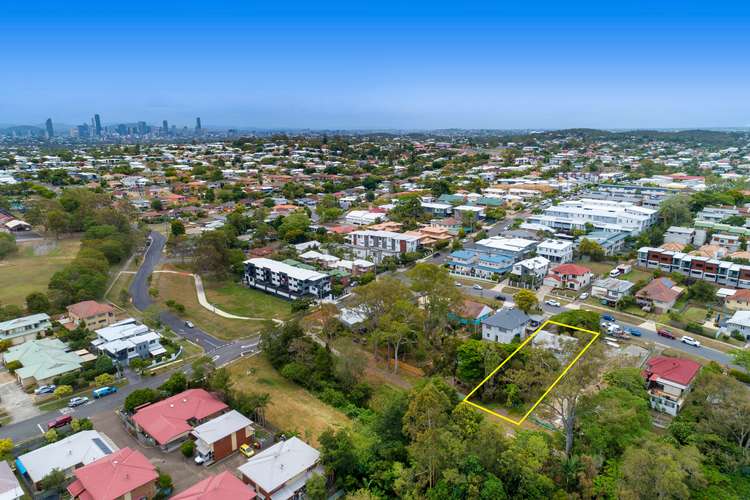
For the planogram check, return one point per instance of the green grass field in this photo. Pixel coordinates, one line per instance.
(31, 268)
(292, 408)
(242, 301)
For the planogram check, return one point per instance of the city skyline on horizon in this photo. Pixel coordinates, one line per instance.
(422, 66)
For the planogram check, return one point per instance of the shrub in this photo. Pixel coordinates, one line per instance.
(188, 448)
(741, 376)
(694, 328)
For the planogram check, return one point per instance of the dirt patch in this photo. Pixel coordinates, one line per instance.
(18, 404)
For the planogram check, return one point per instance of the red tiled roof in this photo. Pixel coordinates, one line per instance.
(112, 476)
(659, 290)
(89, 308)
(679, 370)
(742, 295)
(224, 486)
(341, 229)
(573, 269)
(168, 418)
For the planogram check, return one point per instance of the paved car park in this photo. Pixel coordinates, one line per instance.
(184, 471)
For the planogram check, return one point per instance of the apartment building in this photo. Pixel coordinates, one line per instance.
(716, 271)
(606, 215)
(377, 245)
(556, 251)
(126, 340)
(479, 265)
(669, 380)
(516, 248)
(20, 330)
(729, 241)
(285, 280)
(716, 214)
(681, 235)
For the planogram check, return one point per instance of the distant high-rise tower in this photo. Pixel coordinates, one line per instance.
(165, 127)
(198, 124)
(97, 125)
(50, 130)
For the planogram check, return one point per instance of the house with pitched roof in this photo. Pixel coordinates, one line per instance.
(123, 475)
(739, 301)
(282, 471)
(471, 313)
(42, 361)
(220, 437)
(168, 422)
(659, 295)
(505, 325)
(223, 486)
(26, 328)
(668, 381)
(569, 276)
(92, 313)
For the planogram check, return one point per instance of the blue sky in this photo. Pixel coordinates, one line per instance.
(384, 64)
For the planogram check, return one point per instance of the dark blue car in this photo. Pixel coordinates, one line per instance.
(634, 332)
(607, 317)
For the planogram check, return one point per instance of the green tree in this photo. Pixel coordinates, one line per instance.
(63, 391)
(675, 211)
(177, 228)
(294, 226)
(156, 204)
(6, 447)
(54, 481)
(439, 295)
(176, 383)
(611, 420)
(656, 469)
(140, 397)
(591, 249)
(7, 245)
(187, 448)
(139, 364)
(12, 366)
(315, 488)
(525, 300)
(51, 436)
(37, 302)
(104, 379)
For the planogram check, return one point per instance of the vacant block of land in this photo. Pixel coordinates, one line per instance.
(292, 408)
(31, 268)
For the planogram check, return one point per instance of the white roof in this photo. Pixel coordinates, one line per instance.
(555, 244)
(741, 318)
(25, 320)
(281, 462)
(510, 244)
(291, 271)
(80, 448)
(386, 234)
(221, 426)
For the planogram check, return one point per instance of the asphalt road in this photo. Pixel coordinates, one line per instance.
(223, 350)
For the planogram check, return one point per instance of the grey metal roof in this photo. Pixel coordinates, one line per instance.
(507, 319)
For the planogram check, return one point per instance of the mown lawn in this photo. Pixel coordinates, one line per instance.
(292, 408)
(31, 268)
(181, 289)
(242, 301)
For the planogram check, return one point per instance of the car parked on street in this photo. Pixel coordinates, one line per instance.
(690, 341)
(77, 401)
(189, 324)
(634, 332)
(583, 296)
(477, 287)
(665, 333)
(552, 303)
(59, 422)
(607, 317)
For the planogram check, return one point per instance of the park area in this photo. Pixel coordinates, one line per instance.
(229, 297)
(31, 268)
(292, 408)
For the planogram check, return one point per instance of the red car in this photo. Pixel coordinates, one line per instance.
(665, 333)
(59, 422)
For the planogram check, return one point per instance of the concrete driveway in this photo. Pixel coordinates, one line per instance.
(17, 403)
(184, 471)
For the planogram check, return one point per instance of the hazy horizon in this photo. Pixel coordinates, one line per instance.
(386, 66)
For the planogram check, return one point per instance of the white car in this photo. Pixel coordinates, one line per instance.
(458, 284)
(477, 287)
(690, 341)
(77, 401)
(552, 303)
(189, 324)
(583, 296)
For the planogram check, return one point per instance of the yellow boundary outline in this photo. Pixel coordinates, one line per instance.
(557, 380)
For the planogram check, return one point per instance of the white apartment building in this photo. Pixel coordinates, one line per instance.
(729, 241)
(286, 281)
(611, 216)
(556, 251)
(517, 248)
(377, 245)
(681, 235)
(20, 330)
(364, 217)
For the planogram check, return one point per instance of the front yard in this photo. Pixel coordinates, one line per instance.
(242, 301)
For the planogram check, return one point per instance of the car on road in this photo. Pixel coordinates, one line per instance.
(458, 284)
(583, 296)
(45, 389)
(552, 303)
(689, 341)
(247, 450)
(665, 333)
(501, 298)
(103, 391)
(634, 332)
(77, 401)
(477, 287)
(189, 324)
(607, 317)
(436, 255)
(59, 422)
